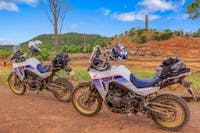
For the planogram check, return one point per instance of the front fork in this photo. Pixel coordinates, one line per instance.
(92, 94)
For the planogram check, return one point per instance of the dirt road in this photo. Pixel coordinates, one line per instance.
(44, 114)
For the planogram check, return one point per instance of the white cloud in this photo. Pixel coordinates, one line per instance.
(107, 12)
(150, 7)
(4, 41)
(132, 16)
(27, 1)
(184, 16)
(153, 17)
(11, 5)
(73, 26)
(182, 2)
(157, 5)
(178, 17)
(83, 23)
(161, 5)
(104, 11)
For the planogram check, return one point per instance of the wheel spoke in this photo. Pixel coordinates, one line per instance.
(83, 103)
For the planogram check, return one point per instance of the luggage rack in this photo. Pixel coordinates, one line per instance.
(170, 80)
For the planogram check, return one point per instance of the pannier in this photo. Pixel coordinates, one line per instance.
(171, 66)
(61, 60)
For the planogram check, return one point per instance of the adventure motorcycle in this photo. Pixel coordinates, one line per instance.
(124, 93)
(28, 73)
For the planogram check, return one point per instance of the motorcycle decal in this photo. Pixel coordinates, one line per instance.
(30, 67)
(108, 77)
(97, 83)
(120, 79)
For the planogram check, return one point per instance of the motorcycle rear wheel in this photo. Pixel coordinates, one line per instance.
(172, 123)
(65, 95)
(15, 84)
(83, 104)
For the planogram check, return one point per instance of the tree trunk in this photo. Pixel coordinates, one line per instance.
(56, 41)
(56, 31)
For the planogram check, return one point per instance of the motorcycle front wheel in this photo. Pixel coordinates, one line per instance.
(176, 110)
(64, 95)
(84, 103)
(15, 84)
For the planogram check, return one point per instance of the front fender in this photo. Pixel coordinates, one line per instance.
(88, 84)
(82, 84)
(9, 76)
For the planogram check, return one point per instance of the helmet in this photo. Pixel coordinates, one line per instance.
(34, 46)
(119, 52)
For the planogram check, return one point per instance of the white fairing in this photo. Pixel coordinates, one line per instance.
(120, 70)
(33, 62)
(30, 61)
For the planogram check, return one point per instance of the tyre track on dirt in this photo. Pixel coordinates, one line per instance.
(43, 113)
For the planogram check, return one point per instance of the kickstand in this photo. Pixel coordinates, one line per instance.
(37, 92)
(128, 115)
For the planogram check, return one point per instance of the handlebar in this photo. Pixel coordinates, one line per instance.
(95, 61)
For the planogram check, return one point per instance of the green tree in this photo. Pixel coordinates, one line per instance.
(132, 31)
(198, 30)
(193, 10)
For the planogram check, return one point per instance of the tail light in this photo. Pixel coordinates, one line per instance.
(183, 77)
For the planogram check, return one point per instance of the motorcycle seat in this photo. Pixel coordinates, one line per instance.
(143, 83)
(43, 69)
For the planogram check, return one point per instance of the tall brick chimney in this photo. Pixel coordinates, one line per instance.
(147, 23)
(84, 47)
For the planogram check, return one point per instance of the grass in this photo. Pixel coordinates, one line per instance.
(146, 73)
(194, 79)
(81, 74)
(3, 76)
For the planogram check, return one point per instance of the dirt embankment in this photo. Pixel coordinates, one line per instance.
(188, 47)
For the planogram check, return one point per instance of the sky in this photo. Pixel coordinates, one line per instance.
(22, 20)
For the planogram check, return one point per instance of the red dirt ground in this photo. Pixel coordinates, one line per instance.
(42, 113)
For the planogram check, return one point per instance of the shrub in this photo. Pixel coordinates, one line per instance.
(140, 32)
(198, 31)
(167, 30)
(126, 32)
(115, 36)
(195, 34)
(121, 34)
(187, 35)
(166, 35)
(5, 53)
(141, 39)
(155, 36)
(178, 32)
(132, 31)
(43, 56)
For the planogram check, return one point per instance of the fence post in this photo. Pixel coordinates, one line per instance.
(4, 63)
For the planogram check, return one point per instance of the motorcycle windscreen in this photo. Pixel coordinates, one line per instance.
(16, 48)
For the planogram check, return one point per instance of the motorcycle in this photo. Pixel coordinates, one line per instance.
(124, 93)
(28, 73)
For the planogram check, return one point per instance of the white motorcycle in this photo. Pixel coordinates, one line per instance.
(29, 73)
(123, 93)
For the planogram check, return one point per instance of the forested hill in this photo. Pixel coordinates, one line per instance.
(70, 42)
